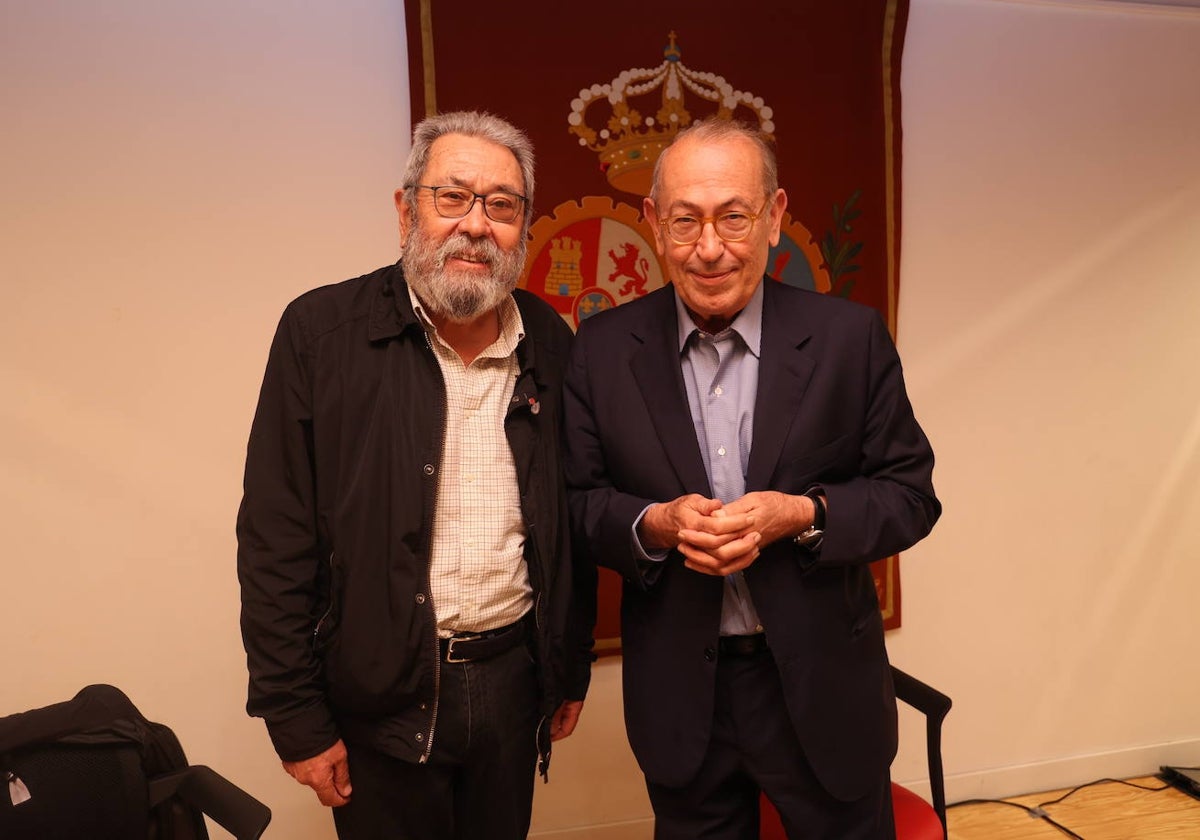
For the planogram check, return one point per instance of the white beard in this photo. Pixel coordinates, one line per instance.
(456, 295)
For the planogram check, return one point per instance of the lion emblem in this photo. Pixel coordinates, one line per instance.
(632, 266)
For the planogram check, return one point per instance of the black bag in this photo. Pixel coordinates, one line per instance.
(94, 767)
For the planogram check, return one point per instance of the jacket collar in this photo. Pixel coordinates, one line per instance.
(655, 368)
(784, 371)
(392, 313)
(785, 368)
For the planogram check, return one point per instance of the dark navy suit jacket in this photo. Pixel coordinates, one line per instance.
(831, 412)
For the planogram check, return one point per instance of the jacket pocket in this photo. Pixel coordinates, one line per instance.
(812, 461)
(327, 625)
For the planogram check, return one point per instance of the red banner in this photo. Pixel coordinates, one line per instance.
(601, 89)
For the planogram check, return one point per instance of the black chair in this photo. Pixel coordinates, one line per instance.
(915, 818)
(94, 767)
(912, 813)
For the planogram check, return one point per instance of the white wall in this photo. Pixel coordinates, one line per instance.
(1048, 322)
(174, 173)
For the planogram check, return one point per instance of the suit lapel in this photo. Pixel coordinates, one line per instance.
(656, 370)
(783, 374)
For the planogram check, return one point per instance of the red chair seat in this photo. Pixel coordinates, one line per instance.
(770, 826)
(915, 818)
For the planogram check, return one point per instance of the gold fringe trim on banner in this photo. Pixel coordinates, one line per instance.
(427, 58)
(889, 139)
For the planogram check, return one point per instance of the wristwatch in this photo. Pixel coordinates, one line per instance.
(811, 536)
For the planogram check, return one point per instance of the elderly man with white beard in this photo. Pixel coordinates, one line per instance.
(416, 631)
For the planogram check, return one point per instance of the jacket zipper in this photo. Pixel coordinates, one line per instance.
(543, 762)
(328, 610)
(537, 575)
(437, 652)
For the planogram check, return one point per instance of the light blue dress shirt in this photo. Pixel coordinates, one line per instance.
(720, 374)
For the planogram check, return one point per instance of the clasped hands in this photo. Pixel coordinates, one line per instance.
(720, 539)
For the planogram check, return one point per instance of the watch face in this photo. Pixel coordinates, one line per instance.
(809, 537)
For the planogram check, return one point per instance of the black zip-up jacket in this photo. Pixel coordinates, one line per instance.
(335, 522)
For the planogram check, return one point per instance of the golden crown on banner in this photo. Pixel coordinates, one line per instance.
(631, 140)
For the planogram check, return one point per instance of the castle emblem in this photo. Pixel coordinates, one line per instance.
(565, 276)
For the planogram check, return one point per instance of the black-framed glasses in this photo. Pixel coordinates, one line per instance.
(731, 226)
(453, 202)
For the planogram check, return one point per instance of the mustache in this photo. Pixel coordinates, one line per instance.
(462, 246)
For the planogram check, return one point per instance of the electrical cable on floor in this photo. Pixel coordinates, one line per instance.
(1033, 812)
(1099, 782)
(1038, 811)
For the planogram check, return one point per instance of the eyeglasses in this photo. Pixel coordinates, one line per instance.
(733, 226)
(455, 202)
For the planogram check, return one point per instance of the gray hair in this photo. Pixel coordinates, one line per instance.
(715, 130)
(471, 124)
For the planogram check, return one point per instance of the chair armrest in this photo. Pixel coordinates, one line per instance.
(935, 706)
(920, 696)
(228, 805)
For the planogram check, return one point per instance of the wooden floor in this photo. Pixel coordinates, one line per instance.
(1109, 811)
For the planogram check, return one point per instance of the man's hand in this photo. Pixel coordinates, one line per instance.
(776, 515)
(564, 720)
(724, 543)
(661, 526)
(711, 540)
(327, 773)
(730, 538)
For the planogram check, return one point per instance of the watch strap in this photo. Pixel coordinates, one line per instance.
(812, 536)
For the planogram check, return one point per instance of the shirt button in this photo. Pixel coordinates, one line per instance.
(718, 390)
(721, 451)
(420, 598)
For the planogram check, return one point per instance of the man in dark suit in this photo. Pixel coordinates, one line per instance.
(740, 451)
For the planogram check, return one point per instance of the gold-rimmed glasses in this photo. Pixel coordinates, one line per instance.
(730, 226)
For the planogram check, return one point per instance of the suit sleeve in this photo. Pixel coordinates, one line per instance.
(890, 505)
(581, 621)
(581, 572)
(281, 565)
(601, 516)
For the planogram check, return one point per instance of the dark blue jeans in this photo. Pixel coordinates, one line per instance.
(478, 782)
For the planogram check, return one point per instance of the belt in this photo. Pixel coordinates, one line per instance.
(742, 645)
(471, 647)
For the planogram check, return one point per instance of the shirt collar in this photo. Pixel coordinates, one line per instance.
(747, 323)
(512, 327)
